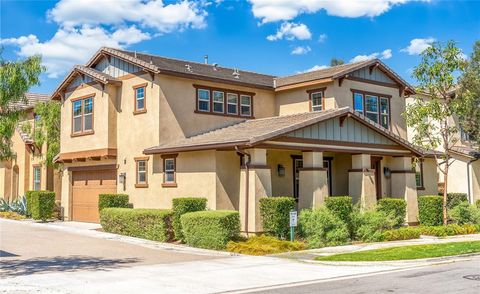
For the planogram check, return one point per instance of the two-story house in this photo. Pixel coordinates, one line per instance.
(464, 170)
(159, 128)
(25, 171)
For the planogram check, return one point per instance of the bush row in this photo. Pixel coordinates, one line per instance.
(112, 200)
(274, 212)
(180, 206)
(438, 231)
(40, 204)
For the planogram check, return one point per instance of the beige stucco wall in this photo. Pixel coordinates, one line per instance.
(298, 100)
(430, 177)
(475, 181)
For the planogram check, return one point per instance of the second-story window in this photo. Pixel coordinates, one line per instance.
(37, 178)
(316, 97)
(224, 102)
(140, 98)
(82, 116)
(374, 106)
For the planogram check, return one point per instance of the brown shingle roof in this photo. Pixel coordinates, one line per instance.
(95, 74)
(31, 100)
(251, 132)
(467, 151)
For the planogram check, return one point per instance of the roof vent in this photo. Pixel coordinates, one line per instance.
(188, 68)
(215, 66)
(135, 53)
(236, 74)
(205, 59)
(151, 61)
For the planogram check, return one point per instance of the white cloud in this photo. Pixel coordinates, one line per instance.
(291, 31)
(314, 68)
(385, 54)
(85, 26)
(417, 46)
(71, 46)
(322, 38)
(148, 14)
(277, 10)
(301, 50)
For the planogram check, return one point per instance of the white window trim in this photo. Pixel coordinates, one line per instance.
(140, 172)
(249, 105)
(372, 112)
(200, 99)
(321, 101)
(217, 102)
(138, 99)
(229, 103)
(167, 171)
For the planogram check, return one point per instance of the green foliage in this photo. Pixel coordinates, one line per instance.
(449, 230)
(336, 61)
(16, 78)
(11, 215)
(210, 229)
(18, 205)
(275, 215)
(430, 210)
(112, 200)
(341, 206)
(263, 245)
(151, 224)
(47, 129)
(40, 204)
(406, 233)
(395, 207)
(372, 224)
(320, 227)
(454, 199)
(477, 203)
(465, 213)
(181, 206)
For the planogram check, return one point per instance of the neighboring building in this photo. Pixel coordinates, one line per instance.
(464, 171)
(26, 172)
(168, 128)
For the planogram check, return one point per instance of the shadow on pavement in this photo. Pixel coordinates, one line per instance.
(15, 267)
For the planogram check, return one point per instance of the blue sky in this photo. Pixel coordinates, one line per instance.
(278, 37)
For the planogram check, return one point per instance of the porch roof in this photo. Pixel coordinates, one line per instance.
(248, 133)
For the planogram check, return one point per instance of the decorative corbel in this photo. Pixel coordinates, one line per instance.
(343, 118)
(372, 67)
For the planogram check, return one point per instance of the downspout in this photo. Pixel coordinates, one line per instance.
(470, 196)
(246, 164)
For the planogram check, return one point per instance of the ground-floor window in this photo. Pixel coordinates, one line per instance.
(37, 178)
(169, 170)
(419, 175)
(141, 167)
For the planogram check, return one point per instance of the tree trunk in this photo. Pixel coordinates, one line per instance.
(445, 186)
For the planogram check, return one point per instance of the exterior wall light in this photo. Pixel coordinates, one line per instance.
(281, 170)
(387, 172)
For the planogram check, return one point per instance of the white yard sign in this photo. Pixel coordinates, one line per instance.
(293, 218)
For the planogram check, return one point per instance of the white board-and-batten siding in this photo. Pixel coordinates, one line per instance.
(116, 67)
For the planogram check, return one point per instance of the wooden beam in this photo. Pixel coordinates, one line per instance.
(372, 67)
(343, 118)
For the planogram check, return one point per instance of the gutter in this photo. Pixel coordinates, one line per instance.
(246, 164)
(470, 196)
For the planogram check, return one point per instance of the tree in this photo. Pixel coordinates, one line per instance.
(432, 118)
(16, 78)
(469, 94)
(47, 129)
(334, 62)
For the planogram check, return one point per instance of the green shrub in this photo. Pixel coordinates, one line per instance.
(454, 199)
(464, 213)
(321, 227)
(275, 215)
(41, 204)
(210, 229)
(181, 206)
(372, 224)
(448, 230)
(112, 200)
(151, 224)
(341, 206)
(477, 203)
(395, 207)
(430, 210)
(28, 197)
(263, 245)
(402, 234)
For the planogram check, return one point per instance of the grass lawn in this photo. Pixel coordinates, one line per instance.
(407, 252)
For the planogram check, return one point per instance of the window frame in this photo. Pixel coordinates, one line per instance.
(379, 98)
(82, 100)
(242, 105)
(135, 88)
(34, 181)
(226, 104)
(310, 97)
(216, 102)
(137, 172)
(173, 183)
(420, 165)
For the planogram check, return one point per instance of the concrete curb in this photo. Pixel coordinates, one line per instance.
(126, 239)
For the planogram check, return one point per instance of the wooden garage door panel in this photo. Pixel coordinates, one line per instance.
(86, 186)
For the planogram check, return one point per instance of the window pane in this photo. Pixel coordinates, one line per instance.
(77, 108)
(141, 165)
(317, 101)
(418, 179)
(142, 178)
(203, 100)
(372, 116)
(88, 106)
(36, 178)
(218, 101)
(88, 122)
(140, 104)
(371, 103)
(232, 100)
(77, 124)
(169, 177)
(140, 93)
(245, 102)
(384, 121)
(169, 164)
(384, 106)
(358, 102)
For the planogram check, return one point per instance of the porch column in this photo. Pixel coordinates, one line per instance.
(361, 181)
(313, 186)
(404, 185)
(259, 186)
(66, 198)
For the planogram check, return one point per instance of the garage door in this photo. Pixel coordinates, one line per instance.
(86, 186)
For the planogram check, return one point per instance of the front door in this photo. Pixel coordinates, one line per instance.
(376, 164)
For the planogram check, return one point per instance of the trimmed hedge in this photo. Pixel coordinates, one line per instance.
(275, 213)
(210, 229)
(393, 207)
(181, 206)
(449, 230)
(402, 234)
(321, 227)
(40, 204)
(430, 210)
(341, 206)
(28, 197)
(454, 199)
(151, 224)
(112, 200)
(464, 213)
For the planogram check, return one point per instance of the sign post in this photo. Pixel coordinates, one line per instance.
(293, 224)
